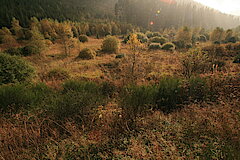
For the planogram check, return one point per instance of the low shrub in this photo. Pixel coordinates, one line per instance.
(108, 89)
(83, 38)
(237, 59)
(232, 40)
(179, 44)
(136, 100)
(14, 69)
(168, 46)
(14, 97)
(195, 62)
(110, 44)
(30, 50)
(202, 38)
(154, 46)
(197, 89)
(156, 34)
(142, 37)
(120, 56)
(77, 100)
(149, 34)
(169, 94)
(236, 47)
(57, 74)
(218, 63)
(217, 42)
(214, 50)
(14, 51)
(160, 40)
(21, 96)
(188, 46)
(87, 53)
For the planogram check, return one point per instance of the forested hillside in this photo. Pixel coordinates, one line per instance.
(172, 13)
(75, 10)
(151, 14)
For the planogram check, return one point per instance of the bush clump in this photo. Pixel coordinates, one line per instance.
(77, 100)
(168, 46)
(58, 74)
(202, 38)
(197, 89)
(21, 96)
(170, 94)
(214, 50)
(160, 40)
(30, 50)
(237, 59)
(87, 53)
(135, 100)
(154, 46)
(14, 69)
(83, 38)
(195, 62)
(14, 51)
(110, 44)
(142, 37)
(119, 56)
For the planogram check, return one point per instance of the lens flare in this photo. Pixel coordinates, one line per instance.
(169, 1)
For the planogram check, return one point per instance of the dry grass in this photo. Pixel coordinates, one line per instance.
(199, 131)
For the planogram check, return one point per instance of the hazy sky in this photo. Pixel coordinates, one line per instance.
(226, 6)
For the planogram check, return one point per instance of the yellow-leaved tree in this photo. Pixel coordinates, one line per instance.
(135, 46)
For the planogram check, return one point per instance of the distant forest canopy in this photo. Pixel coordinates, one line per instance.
(74, 10)
(172, 13)
(149, 14)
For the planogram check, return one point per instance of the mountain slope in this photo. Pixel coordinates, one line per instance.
(151, 14)
(57, 9)
(175, 13)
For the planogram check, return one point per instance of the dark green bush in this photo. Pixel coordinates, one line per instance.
(120, 56)
(149, 34)
(14, 51)
(169, 94)
(232, 40)
(217, 42)
(14, 69)
(135, 100)
(214, 50)
(188, 46)
(57, 74)
(236, 47)
(20, 96)
(237, 59)
(179, 44)
(83, 38)
(30, 50)
(14, 97)
(87, 53)
(108, 89)
(154, 46)
(77, 100)
(218, 63)
(202, 38)
(168, 46)
(110, 44)
(142, 37)
(197, 89)
(160, 40)
(156, 34)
